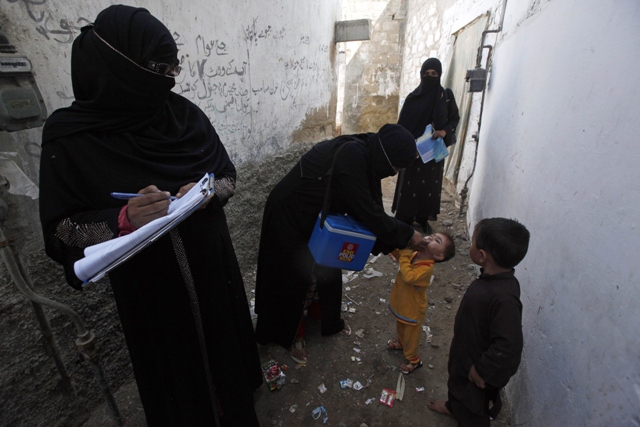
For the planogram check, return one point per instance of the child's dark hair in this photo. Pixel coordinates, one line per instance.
(449, 248)
(506, 240)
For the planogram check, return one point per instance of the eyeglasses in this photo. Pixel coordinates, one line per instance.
(158, 68)
(165, 69)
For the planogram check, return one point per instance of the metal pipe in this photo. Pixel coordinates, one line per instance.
(465, 188)
(85, 340)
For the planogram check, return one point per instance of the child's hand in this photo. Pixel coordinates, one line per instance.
(475, 378)
(394, 255)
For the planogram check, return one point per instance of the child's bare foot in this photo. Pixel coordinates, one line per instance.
(440, 407)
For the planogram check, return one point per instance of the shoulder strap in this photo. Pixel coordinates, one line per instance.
(327, 195)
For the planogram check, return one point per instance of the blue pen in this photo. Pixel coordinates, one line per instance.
(127, 196)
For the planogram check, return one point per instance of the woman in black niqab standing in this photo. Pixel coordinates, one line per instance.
(417, 194)
(181, 301)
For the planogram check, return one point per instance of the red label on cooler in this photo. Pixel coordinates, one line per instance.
(348, 252)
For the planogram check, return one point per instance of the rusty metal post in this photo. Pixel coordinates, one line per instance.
(85, 341)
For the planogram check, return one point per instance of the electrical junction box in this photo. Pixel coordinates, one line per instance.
(21, 104)
(477, 79)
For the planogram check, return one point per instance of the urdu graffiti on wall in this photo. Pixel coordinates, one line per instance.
(60, 30)
(246, 107)
(244, 102)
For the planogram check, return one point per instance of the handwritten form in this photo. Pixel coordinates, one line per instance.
(101, 258)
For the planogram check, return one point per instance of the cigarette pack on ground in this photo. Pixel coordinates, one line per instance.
(273, 375)
(388, 397)
(341, 243)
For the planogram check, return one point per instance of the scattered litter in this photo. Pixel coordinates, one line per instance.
(315, 414)
(400, 387)
(377, 312)
(347, 288)
(430, 366)
(360, 333)
(374, 258)
(358, 343)
(293, 408)
(357, 386)
(371, 399)
(355, 359)
(357, 350)
(273, 375)
(427, 330)
(346, 383)
(371, 273)
(383, 300)
(345, 306)
(322, 388)
(388, 397)
(431, 280)
(294, 381)
(348, 277)
(419, 389)
(351, 299)
(352, 309)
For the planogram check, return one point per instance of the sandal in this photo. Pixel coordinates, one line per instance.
(410, 367)
(346, 330)
(299, 352)
(394, 344)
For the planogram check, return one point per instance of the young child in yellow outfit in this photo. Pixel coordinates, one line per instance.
(408, 302)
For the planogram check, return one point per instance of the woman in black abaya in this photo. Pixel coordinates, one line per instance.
(181, 301)
(287, 276)
(417, 194)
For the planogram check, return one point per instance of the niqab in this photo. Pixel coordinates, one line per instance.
(117, 97)
(419, 107)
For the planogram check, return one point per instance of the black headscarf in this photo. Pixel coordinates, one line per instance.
(391, 147)
(394, 147)
(126, 129)
(418, 109)
(117, 98)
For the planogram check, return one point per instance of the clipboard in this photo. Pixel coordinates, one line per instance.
(103, 257)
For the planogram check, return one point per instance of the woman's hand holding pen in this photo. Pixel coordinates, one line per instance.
(153, 205)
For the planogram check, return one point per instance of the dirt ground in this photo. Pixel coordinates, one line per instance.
(31, 392)
(362, 357)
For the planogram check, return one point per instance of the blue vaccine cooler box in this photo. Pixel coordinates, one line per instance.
(342, 243)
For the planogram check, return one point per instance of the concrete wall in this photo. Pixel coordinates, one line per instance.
(558, 151)
(370, 70)
(263, 74)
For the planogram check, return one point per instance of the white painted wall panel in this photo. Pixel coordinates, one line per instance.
(558, 151)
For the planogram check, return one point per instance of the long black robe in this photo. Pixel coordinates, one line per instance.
(285, 264)
(181, 301)
(417, 193)
(487, 334)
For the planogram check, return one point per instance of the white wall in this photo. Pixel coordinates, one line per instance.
(263, 73)
(256, 69)
(559, 151)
